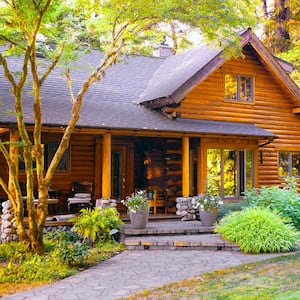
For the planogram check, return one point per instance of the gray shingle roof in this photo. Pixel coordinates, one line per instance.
(110, 102)
(175, 71)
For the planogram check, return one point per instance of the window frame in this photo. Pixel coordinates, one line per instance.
(238, 88)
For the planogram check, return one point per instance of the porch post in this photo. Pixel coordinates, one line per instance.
(106, 166)
(185, 167)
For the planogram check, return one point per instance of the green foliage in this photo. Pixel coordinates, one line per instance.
(227, 208)
(35, 268)
(285, 200)
(20, 266)
(12, 251)
(258, 230)
(73, 254)
(66, 246)
(136, 201)
(96, 224)
(62, 236)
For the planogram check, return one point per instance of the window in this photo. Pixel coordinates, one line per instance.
(50, 149)
(289, 164)
(239, 88)
(229, 171)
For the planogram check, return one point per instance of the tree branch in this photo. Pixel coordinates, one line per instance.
(3, 37)
(70, 85)
(7, 72)
(5, 188)
(52, 66)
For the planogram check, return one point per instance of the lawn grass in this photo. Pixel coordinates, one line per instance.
(277, 278)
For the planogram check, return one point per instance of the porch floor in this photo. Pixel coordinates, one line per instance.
(174, 235)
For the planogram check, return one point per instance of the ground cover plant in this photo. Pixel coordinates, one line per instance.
(20, 270)
(276, 279)
(66, 252)
(258, 230)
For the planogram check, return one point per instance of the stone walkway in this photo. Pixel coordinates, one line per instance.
(133, 271)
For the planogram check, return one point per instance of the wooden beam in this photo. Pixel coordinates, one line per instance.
(201, 167)
(296, 110)
(185, 167)
(106, 166)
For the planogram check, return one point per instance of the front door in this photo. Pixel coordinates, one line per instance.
(121, 172)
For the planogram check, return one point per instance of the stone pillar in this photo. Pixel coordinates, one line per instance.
(8, 228)
(185, 208)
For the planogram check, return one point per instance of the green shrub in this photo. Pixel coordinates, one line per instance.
(258, 230)
(96, 224)
(227, 208)
(62, 235)
(72, 254)
(285, 200)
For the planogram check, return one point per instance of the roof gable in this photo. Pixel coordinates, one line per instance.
(168, 87)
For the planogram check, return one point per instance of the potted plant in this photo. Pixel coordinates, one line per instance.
(208, 207)
(138, 207)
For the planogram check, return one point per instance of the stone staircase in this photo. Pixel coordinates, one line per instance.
(174, 235)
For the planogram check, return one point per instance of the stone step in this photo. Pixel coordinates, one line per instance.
(167, 228)
(179, 242)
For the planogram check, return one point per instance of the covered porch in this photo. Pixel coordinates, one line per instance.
(165, 163)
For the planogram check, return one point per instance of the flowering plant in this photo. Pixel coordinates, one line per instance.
(207, 202)
(136, 200)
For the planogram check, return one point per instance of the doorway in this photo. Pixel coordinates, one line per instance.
(121, 172)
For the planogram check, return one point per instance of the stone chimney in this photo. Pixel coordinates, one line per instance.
(164, 50)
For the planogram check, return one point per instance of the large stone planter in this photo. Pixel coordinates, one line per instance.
(139, 219)
(207, 217)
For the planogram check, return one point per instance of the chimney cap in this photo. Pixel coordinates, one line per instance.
(165, 50)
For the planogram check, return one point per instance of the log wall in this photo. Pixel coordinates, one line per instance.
(271, 110)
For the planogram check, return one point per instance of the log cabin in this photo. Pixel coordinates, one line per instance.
(171, 124)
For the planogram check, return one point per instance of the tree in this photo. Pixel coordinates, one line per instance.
(115, 27)
(281, 32)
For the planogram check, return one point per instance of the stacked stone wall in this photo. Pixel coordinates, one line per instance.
(8, 227)
(185, 208)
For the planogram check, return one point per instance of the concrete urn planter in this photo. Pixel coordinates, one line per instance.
(139, 218)
(208, 217)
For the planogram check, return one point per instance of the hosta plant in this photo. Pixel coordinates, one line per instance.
(258, 230)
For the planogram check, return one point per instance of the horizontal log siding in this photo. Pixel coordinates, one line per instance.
(82, 163)
(272, 110)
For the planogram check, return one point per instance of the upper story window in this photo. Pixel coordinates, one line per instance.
(239, 88)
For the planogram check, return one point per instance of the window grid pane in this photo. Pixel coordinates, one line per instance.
(230, 87)
(245, 88)
(284, 164)
(295, 164)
